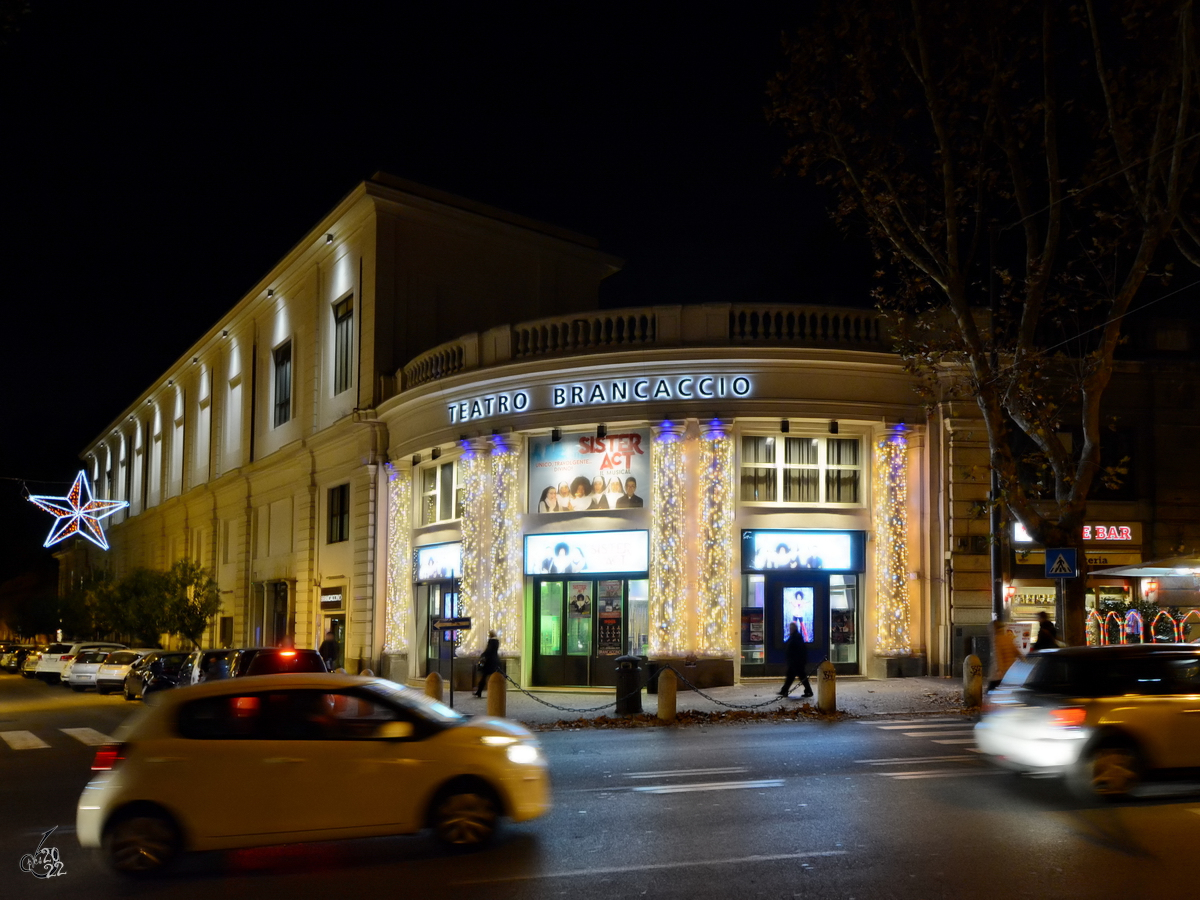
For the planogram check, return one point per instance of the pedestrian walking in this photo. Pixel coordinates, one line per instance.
(1004, 653)
(489, 662)
(329, 650)
(797, 658)
(1047, 636)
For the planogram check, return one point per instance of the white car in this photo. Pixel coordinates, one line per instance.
(80, 673)
(387, 760)
(50, 666)
(111, 674)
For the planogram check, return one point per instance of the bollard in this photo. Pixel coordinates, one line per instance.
(827, 687)
(433, 686)
(497, 698)
(972, 682)
(667, 690)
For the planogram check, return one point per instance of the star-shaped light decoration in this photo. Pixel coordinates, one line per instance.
(76, 518)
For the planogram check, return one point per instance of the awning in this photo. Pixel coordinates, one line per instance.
(1155, 568)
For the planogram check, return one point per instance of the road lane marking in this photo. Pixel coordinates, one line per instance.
(922, 734)
(894, 760)
(969, 740)
(957, 773)
(706, 786)
(917, 725)
(676, 773)
(909, 723)
(650, 867)
(89, 736)
(23, 740)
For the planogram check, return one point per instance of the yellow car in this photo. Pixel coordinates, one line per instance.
(386, 760)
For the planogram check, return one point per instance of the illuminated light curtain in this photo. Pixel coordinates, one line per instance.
(507, 574)
(668, 575)
(892, 636)
(714, 598)
(474, 475)
(398, 609)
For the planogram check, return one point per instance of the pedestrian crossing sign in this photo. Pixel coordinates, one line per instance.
(1061, 562)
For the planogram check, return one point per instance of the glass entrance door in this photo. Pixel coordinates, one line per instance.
(443, 604)
(584, 624)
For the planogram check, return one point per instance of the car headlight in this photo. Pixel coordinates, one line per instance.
(523, 754)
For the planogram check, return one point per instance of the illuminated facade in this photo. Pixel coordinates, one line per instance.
(421, 413)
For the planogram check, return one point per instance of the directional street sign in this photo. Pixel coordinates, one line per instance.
(462, 623)
(1061, 562)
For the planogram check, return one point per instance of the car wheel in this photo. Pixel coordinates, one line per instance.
(1109, 771)
(465, 816)
(141, 842)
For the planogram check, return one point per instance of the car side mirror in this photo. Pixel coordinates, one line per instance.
(394, 731)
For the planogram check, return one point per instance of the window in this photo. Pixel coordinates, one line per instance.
(441, 497)
(343, 345)
(816, 470)
(338, 528)
(283, 383)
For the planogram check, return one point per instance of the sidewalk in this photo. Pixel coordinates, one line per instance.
(856, 697)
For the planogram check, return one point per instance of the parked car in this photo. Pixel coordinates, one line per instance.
(181, 765)
(1105, 718)
(29, 666)
(195, 668)
(155, 671)
(277, 661)
(50, 666)
(82, 672)
(111, 674)
(14, 657)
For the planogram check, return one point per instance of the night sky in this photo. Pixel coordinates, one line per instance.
(160, 158)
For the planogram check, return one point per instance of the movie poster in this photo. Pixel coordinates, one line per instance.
(585, 473)
(608, 635)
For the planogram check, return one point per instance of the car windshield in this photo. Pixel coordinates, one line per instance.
(121, 658)
(58, 648)
(426, 706)
(91, 656)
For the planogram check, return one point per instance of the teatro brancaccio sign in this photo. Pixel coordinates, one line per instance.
(601, 393)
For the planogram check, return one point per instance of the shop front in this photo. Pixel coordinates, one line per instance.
(590, 603)
(812, 578)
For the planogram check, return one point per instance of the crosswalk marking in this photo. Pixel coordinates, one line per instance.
(23, 740)
(917, 725)
(969, 740)
(89, 736)
(897, 760)
(956, 733)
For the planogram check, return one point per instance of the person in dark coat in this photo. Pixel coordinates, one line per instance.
(1047, 638)
(797, 658)
(329, 650)
(489, 662)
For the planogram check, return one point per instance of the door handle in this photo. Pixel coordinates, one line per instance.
(283, 759)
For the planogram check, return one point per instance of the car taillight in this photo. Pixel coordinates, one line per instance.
(1068, 717)
(107, 756)
(287, 652)
(67, 658)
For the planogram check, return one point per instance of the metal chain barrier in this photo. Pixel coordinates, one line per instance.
(707, 696)
(571, 709)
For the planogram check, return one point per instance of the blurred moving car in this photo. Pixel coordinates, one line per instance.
(50, 666)
(181, 765)
(1105, 718)
(82, 672)
(153, 672)
(111, 674)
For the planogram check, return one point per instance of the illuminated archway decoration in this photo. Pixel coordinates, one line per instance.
(1095, 629)
(1182, 628)
(75, 515)
(892, 635)
(1176, 627)
(668, 575)
(1109, 620)
(398, 615)
(1134, 628)
(714, 595)
(507, 548)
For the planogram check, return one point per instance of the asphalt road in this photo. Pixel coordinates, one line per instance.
(879, 808)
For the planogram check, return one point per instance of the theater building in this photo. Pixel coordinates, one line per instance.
(420, 412)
